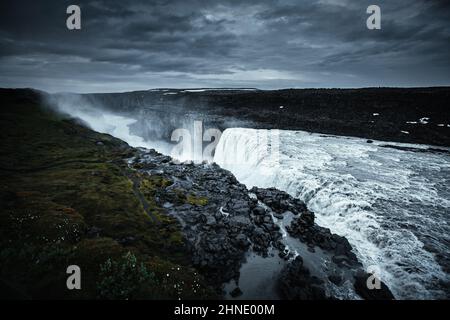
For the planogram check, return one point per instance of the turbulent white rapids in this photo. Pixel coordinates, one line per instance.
(392, 205)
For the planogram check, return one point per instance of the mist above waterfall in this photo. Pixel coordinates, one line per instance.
(181, 134)
(96, 117)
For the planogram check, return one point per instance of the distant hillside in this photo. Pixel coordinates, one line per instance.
(415, 115)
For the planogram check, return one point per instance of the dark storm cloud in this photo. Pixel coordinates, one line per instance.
(125, 45)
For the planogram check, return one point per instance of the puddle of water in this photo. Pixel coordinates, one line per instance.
(258, 278)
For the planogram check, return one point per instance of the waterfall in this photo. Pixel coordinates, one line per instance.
(383, 200)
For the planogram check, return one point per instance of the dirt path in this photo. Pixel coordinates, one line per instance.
(136, 184)
(134, 180)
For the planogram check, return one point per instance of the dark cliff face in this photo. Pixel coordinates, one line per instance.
(372, 113)
(135, 219)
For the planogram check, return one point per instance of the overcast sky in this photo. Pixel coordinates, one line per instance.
(134, 45)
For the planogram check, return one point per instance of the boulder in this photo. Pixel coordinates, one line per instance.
(361, 288)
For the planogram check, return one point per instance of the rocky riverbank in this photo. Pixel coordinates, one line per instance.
(223, 222)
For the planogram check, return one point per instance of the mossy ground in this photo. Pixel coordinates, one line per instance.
(59, 184)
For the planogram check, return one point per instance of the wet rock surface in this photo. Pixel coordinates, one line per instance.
(304, 229)
(223, 221)
(296, 282)
(279, 201)
(361, 287)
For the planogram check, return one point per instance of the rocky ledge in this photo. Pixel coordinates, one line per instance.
(223, 222)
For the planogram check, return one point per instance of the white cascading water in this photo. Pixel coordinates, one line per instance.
(392, 205)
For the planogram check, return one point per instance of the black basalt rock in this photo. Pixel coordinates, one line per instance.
(296, 283)
(374, 293)
(279, 201)
(222, 221)
(237, 292)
